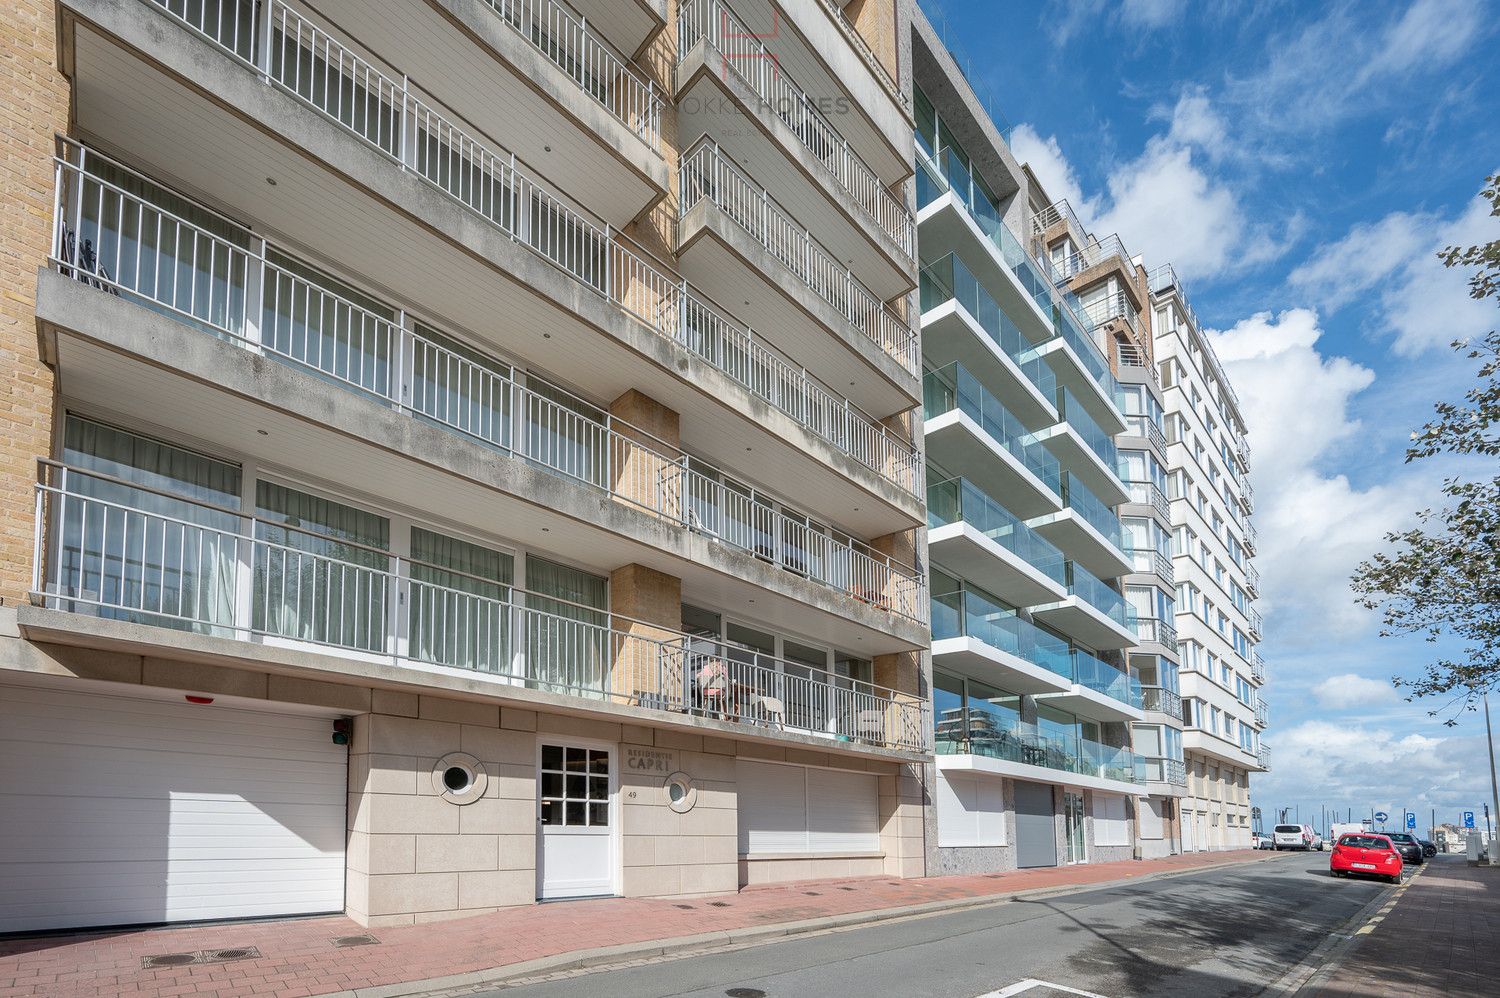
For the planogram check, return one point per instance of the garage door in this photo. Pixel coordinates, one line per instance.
(117, 811)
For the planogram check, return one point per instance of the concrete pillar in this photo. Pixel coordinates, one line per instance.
(646, 660)
(645, 460)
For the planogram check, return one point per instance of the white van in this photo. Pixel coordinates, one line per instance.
(1294, 837)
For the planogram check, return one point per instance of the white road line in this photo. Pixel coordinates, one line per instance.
(1031, 984)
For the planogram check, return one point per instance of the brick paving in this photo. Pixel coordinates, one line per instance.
(1441, 938)
(298, 958)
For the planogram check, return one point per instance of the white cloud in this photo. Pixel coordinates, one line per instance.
(1353, 690)
(1046, 159)
(1150, 14)
(1422, 303)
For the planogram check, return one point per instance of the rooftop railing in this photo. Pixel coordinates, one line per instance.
(709, 175)
(953, 388)
(743, 52)
(1164, 279)
(960, 501)
(233, 284)
(114, 549)
(385, 110)
(949, 279)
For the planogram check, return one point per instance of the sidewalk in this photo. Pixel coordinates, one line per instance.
(298, 957)
(1441, 938)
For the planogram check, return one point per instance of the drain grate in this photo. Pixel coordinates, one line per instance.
(365, 940)
(745, 993)
(718, 904)
(168, 960)
(230, 955)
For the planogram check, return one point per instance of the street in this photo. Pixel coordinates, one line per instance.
(1223, 932)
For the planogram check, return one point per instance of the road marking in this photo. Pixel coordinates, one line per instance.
(1031, 984)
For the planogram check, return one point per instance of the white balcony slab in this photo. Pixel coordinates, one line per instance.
(1080, 620)
(1200, 741)
(950, 334)
(1091, 703)
(982, 765)
(955, 441)
(1082, 542)
(1080, 460)
(966, 656)
(967, 552)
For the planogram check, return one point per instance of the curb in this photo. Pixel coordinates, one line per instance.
(749, 935)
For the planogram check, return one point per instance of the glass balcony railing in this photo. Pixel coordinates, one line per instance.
(969, 613)
(1101, 677)
(959, 500)
(1098, 441)
(998, 733)
(949, 279)
(954, 388)
(1077, 497)
(119, 550)
(1097, 594)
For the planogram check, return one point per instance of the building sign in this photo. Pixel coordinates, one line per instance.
(654, 762)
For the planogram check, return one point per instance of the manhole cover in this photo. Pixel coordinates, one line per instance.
(745, 993)
(227, 955)
(366, 940)
(168, 960)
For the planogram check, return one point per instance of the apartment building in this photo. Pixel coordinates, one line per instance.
(1034, 699)
(466, 452)
(1213, 544)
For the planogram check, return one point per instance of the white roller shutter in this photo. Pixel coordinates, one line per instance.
(800, 809)
(971, 811)
(1148, 816)
(116, 810)
(1111, 827)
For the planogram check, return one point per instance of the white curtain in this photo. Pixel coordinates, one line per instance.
(460, 603)
(567, 644)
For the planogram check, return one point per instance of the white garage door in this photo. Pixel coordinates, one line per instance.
(116, 811)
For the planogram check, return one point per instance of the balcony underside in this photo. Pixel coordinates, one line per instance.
(1081, 621)
(732, 267)
(955, 442)
(1079, 459)
(120, 360)
(1092, 704)
(342, 200)
(974, 659)
(125, 642)
(950, 334)
(1216, 748)
(1082, 543)
(981, 765)
(973, 556)
(630, 25)
(770, 151)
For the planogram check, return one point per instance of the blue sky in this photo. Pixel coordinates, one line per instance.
(1299, 164)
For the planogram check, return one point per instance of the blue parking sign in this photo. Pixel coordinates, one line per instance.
(1468, 819)
(1411, 820)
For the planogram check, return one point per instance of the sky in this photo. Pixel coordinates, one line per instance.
(1300, 164)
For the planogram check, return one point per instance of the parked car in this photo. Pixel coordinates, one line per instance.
(1428, 849)
(1366, 854)
(1293, 837)
(1260, 840)
(1411, 849)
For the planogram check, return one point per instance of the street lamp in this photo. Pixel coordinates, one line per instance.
(1489, 737)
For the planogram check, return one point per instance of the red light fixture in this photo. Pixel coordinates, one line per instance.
(190, 698)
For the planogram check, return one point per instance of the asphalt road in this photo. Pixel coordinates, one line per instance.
(1225, 932)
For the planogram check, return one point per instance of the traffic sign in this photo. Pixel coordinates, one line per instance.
(1382, 817)
(1411, 820)
(1468, 819)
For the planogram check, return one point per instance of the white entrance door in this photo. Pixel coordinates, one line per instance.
(117, 810)
(1189, 840)
(575, 819)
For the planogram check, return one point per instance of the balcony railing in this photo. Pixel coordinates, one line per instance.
(1000, 734)
(1251, 536)
(900, 96)
(1264, 756)
(1149, 561)
(953, 387)
(233, 284)
(969, 613)
(1111, 307)
(1132, 357)
(1077, 497)
(709, 175)
(1139, 425)
(949, 279)
(1252, 580)
(211, 570)
(1094, 436)
(1262, 712)
(1058, 211)
(383, 109)
(1098, 594)
(743, 52)
(1150, 494)
(1256, 624)
(1157, 630)
(1092, 253)
(1257, 667)
(1162, 700)
(961, 501)
(1101, 677)
(1158, 769)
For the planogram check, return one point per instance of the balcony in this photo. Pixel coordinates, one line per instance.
(997, 741)
(877, 68)
(1262, 712)
(1217, 747)
(973, 535)
(1257, 667)
(1147, 429)
(962, 323)
(1157, 631)
(1157, 769)
(1251, 537)
(1094, 613)
(1113, 308)
(742, 245)
(1085, 449)
(1147, 561)
(1163, 280)
(956, 218)
(1263, 758)
(229, 287)
(1087, 530)
(207, 572)
(822, 179)
(1100, 691)
(1252, 580)
(470, 231)
(1133, 362)
(1256, 624)
(1150, 494)
(965, 426)
(1162, 701)
(629, 24)
(977, 637)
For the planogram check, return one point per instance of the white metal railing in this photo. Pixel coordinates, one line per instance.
(1111, 307)
(226, 573)
(1252, 580)
(1150, 494)
(1132, 356)
(1156, 629)
(709, 175)
(892, 88)
(564, 37)
(1162, 700)
(1257, 667)
(1262, 712)
(1148, 561)
(393, 117)
(230, 282)
(1057, 211)
(1255, 623)
(743, 52)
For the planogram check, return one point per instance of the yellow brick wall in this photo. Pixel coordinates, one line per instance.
(33, 108)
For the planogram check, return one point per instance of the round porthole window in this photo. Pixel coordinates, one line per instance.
(680, 792)
(459, 778)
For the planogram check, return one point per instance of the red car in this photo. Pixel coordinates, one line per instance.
(1365, 853)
